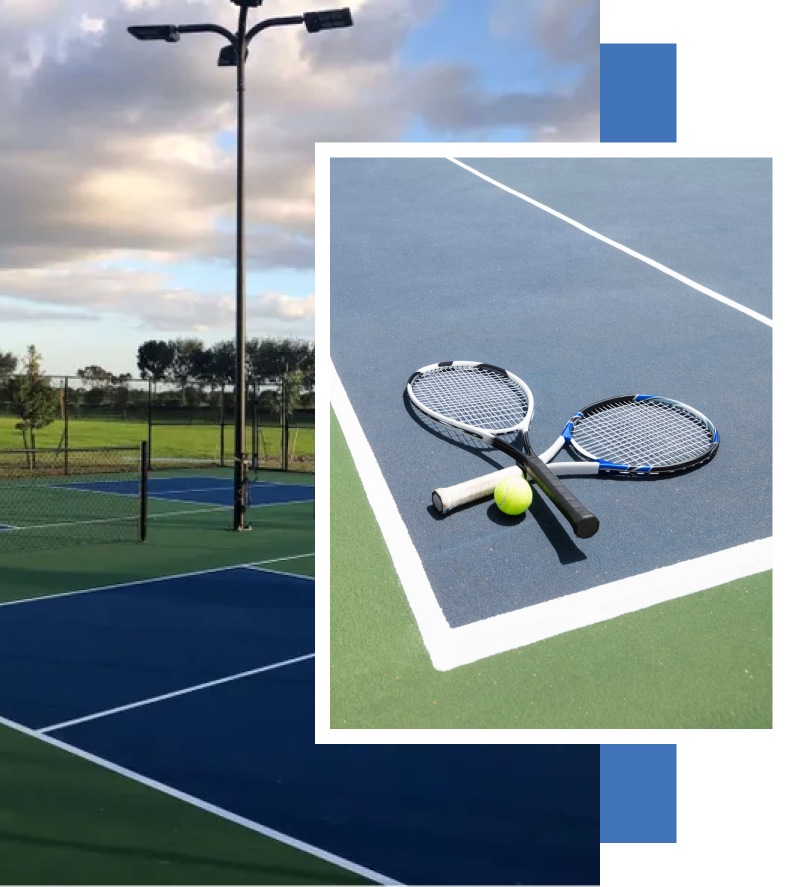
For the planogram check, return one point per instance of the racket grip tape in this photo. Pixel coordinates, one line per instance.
(446, 498)
(583, 522)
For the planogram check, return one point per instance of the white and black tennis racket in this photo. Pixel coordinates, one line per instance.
(490, 403)
(633, 434)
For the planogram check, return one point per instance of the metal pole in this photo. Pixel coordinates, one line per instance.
(143, 491)
(221, 426)
(149, 449)
(239, 473)
(65, 423)
(286, 436)
(255, 426)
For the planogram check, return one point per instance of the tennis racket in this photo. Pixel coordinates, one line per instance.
(490, 404)
(635, 434)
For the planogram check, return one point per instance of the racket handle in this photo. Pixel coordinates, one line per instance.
(446, 498)
(584, 523)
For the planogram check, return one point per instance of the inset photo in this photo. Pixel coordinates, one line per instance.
(550, 431)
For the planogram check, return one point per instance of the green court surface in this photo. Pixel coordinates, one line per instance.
(701, 661)
(64, 819)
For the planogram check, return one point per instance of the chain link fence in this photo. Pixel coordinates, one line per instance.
(185, 426)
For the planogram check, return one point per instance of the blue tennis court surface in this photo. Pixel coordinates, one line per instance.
(203, 490)
(204, 683)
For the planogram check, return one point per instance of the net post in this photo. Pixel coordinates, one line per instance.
(221, 425)
(255, 425)
(286, 399)
(65, 424)
(143, 531)
(282, 439)
(150, 423)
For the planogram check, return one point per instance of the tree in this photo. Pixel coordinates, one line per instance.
(186, 363)
(264, 359)
(299, 373)
(221, 361)
(308, 368)
(154, 359)
(34, 401)
(96, 374)
(292, 384)
(8, 364)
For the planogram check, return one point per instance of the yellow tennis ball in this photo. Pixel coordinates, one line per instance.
(513, 495)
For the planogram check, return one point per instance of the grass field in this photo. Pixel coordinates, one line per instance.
(168, 441)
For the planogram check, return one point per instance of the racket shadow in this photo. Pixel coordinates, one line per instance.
(540, 513)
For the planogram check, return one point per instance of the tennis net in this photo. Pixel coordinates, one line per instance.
(72, 496)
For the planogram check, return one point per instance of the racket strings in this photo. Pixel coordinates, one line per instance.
(652, 433)
(460, 437)
(474, 396)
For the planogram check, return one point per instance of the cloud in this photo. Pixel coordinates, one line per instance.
(112, 148)
(86, 292)
(280, 307)
(12, 312)
(563, 36)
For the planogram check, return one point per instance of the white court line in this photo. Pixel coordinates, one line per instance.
(171, 498)
(84, 487)
(170, 492)
(449, 647)
(630, 252)
(215, 507)
(245, 566)
(285, 573)
(151, 700)
(78, 523)
(200, 804)
(189, 511)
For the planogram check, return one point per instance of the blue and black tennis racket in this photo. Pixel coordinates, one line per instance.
(632, 434)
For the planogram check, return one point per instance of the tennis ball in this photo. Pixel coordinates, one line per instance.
(513, 495)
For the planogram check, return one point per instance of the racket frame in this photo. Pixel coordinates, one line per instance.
(447, 498)
(584, 523)
(601, 465)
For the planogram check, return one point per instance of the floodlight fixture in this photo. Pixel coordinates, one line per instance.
(248, 2)
(228, 56)
(327, 19)
(168, 33)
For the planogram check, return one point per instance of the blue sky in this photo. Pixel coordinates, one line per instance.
(117, 158)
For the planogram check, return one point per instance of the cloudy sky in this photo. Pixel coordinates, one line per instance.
(117, 158)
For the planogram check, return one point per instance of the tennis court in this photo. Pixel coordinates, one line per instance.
(108, 642)
(157, 700)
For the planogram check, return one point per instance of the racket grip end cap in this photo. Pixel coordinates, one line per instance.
(587, 526)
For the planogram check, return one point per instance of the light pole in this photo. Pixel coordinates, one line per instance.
(235, 55)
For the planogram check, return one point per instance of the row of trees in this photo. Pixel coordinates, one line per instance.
(278, 368)
(188, 362)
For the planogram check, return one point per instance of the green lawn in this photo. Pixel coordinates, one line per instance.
(167, 441)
